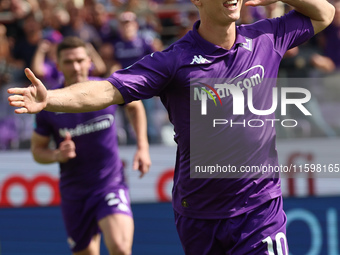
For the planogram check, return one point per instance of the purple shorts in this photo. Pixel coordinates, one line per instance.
(257, 232)
(81, 216)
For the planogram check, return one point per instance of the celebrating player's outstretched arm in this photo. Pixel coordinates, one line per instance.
(321, 12)
(81, 97)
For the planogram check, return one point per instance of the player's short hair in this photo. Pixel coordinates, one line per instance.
(70, 42)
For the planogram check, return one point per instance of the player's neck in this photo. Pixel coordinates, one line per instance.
(223, 36)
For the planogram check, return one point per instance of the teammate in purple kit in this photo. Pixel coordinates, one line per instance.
(94, 195)
(213, 215)
(130, 46)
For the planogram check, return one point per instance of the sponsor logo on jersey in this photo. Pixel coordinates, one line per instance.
(246, 80)
(97, 124)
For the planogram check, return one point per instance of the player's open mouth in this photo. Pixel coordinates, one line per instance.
(231, 5)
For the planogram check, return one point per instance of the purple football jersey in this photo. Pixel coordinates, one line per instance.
(257, 52)
(97, 165)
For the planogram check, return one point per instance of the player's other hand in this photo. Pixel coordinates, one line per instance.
(260, 2)
(32, 99)
(142, 161)
(67, 149)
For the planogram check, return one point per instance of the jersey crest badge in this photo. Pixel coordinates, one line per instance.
(248, 45)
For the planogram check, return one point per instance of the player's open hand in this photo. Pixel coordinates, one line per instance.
(142, 161)
(32, 99)
(260, 2)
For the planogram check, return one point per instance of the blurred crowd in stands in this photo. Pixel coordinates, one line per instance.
(120, 32)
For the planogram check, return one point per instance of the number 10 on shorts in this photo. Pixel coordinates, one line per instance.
(278, 237)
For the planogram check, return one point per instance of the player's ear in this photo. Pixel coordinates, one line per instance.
(58, 66)
(196, 2)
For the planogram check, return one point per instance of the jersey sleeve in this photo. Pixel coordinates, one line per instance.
(41, 125)
(288, 31)
(146, 78)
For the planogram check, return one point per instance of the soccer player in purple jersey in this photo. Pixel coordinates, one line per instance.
(213, 215)
(94, 194)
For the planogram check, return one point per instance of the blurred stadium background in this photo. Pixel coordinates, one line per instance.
(30, 219)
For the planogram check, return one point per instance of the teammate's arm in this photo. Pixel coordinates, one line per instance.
(80, 97)
(45, 155)
(321, 12)
(37, 65)
(136, 115)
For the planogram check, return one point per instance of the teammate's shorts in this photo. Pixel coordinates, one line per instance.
(257, 232)
(81, 217)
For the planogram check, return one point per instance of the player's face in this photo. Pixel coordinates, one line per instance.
(74, 64)
(128, 29)
(220, 12)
